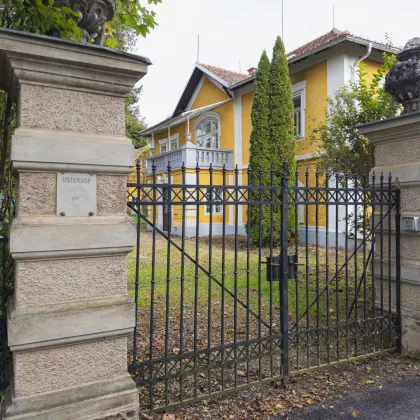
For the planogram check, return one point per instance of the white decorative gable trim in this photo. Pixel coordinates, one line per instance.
(298, 87)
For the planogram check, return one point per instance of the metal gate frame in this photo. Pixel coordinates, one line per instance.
(171, 378)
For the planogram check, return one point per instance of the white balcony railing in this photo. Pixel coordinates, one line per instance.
(190, 155)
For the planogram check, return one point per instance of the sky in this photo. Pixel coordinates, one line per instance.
(233, 33)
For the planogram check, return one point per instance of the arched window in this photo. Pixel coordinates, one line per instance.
(207, 132)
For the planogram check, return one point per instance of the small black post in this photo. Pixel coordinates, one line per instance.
(398, 269)
(284, 279)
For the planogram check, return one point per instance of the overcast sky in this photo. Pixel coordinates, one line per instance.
(233, 34)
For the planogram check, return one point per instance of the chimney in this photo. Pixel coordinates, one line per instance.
(252, 71)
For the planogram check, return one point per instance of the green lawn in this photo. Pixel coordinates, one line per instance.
(245, 277)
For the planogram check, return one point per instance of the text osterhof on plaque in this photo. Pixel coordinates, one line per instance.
(76, 194)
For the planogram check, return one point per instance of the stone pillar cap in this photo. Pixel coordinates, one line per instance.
(49, 61)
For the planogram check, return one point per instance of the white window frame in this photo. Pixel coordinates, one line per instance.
(165, 142)
(220, 196)
(208, 116)
(299, 90)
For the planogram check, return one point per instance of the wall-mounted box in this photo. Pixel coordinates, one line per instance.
(410, 224)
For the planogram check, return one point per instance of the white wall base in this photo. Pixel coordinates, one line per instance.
(334, 240)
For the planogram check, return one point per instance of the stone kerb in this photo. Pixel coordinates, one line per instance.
(70, 314)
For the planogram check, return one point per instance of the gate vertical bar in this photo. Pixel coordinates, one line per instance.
(152, 283)
(284, 306)
(136, 292)
(212, 198)
(398, 268)
(167, 197)
(196, 275)
(248, 265)
(296, 271)
(222, 306)
(389, 262)
(235, 277)
(182, 297)
(260, 218)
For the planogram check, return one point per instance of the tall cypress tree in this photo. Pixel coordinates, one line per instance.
(281, 125)
(260, 146)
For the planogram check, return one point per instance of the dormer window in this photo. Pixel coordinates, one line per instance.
(207, 132)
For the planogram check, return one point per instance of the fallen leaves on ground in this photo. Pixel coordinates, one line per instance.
(269, 401)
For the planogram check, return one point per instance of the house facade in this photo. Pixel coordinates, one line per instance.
(212, 125)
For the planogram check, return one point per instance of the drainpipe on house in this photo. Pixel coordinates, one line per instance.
(354, 70)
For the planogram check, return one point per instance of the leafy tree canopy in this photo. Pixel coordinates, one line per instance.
(133, 17)
(344, 149)
(134, 123)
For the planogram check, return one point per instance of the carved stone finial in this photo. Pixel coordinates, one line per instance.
(403, 80)
(93, 15)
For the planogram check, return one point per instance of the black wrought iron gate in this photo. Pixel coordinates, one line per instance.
(258, 275)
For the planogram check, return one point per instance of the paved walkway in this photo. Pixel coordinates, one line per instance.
(400, 401)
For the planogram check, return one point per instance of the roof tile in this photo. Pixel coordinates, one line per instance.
(318, 42)
(227, 75)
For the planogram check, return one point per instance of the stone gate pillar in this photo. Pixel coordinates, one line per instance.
(397, 143)
(70, 314)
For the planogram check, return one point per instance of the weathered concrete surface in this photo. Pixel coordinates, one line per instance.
(63, 280)
(68, 110)
(397, 142)
(70, 314)
(398, 401)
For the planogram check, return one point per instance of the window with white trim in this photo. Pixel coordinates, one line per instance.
(163, 144)
(174, 143)
(299, 100)
(207, 133)
(216, 196)
(297, 115)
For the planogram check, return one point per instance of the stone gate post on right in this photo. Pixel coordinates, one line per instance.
(397, 151)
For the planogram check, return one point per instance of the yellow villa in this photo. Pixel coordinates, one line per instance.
(211, 123)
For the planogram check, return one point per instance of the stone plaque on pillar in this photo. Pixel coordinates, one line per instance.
(76, 194)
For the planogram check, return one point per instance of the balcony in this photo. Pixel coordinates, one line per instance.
(190, 155)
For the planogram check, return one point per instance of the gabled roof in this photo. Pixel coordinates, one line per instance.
(334, 37)
(169, 122)
(227, 76)
(224, 77)
(318, 42)
(230, 80)
(323, 42)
